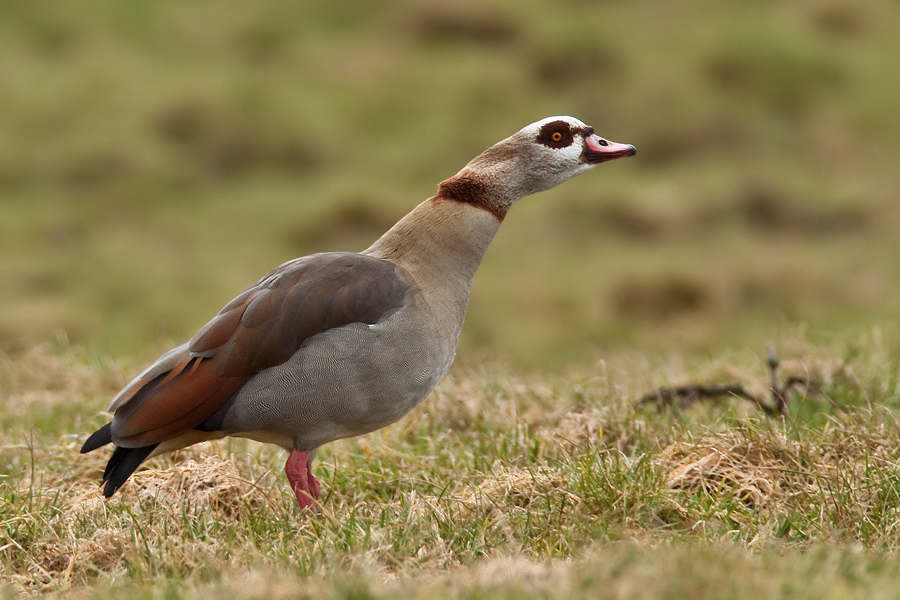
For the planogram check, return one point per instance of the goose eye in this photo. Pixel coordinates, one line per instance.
(557, 134)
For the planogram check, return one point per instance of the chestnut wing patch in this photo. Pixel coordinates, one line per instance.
(172, 403)
(261, 328)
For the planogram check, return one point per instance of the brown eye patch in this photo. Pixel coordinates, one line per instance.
(556, 134)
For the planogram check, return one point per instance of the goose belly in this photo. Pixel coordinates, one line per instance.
(344, 382)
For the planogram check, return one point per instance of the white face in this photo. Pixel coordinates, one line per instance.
(539, 157)
(558, 148)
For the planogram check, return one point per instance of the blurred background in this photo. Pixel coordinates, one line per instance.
(157, 158)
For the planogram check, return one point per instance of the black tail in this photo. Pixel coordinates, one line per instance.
(122, 463)
(99, 438)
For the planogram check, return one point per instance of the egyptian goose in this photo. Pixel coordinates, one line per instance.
(339, 344)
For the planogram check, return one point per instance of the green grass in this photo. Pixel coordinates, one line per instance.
(156, 159)
(152, 167)
(498, 483)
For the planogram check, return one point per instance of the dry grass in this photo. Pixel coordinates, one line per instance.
(726, 465)
(497, 485)
(151, 168)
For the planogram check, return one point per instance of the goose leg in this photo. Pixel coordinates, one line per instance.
(299, 473)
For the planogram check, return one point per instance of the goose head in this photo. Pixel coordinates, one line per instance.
(538, 157)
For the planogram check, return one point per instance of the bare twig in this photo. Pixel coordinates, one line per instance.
(685, 395)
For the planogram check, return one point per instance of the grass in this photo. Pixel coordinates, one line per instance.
(498, 484)
(156, 159)
(141, 153)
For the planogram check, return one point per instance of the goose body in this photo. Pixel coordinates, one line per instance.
(339, 344)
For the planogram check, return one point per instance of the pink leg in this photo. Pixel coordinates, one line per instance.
(312, 481)
(299, 473)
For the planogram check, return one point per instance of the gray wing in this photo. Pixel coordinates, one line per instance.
(261, 328)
